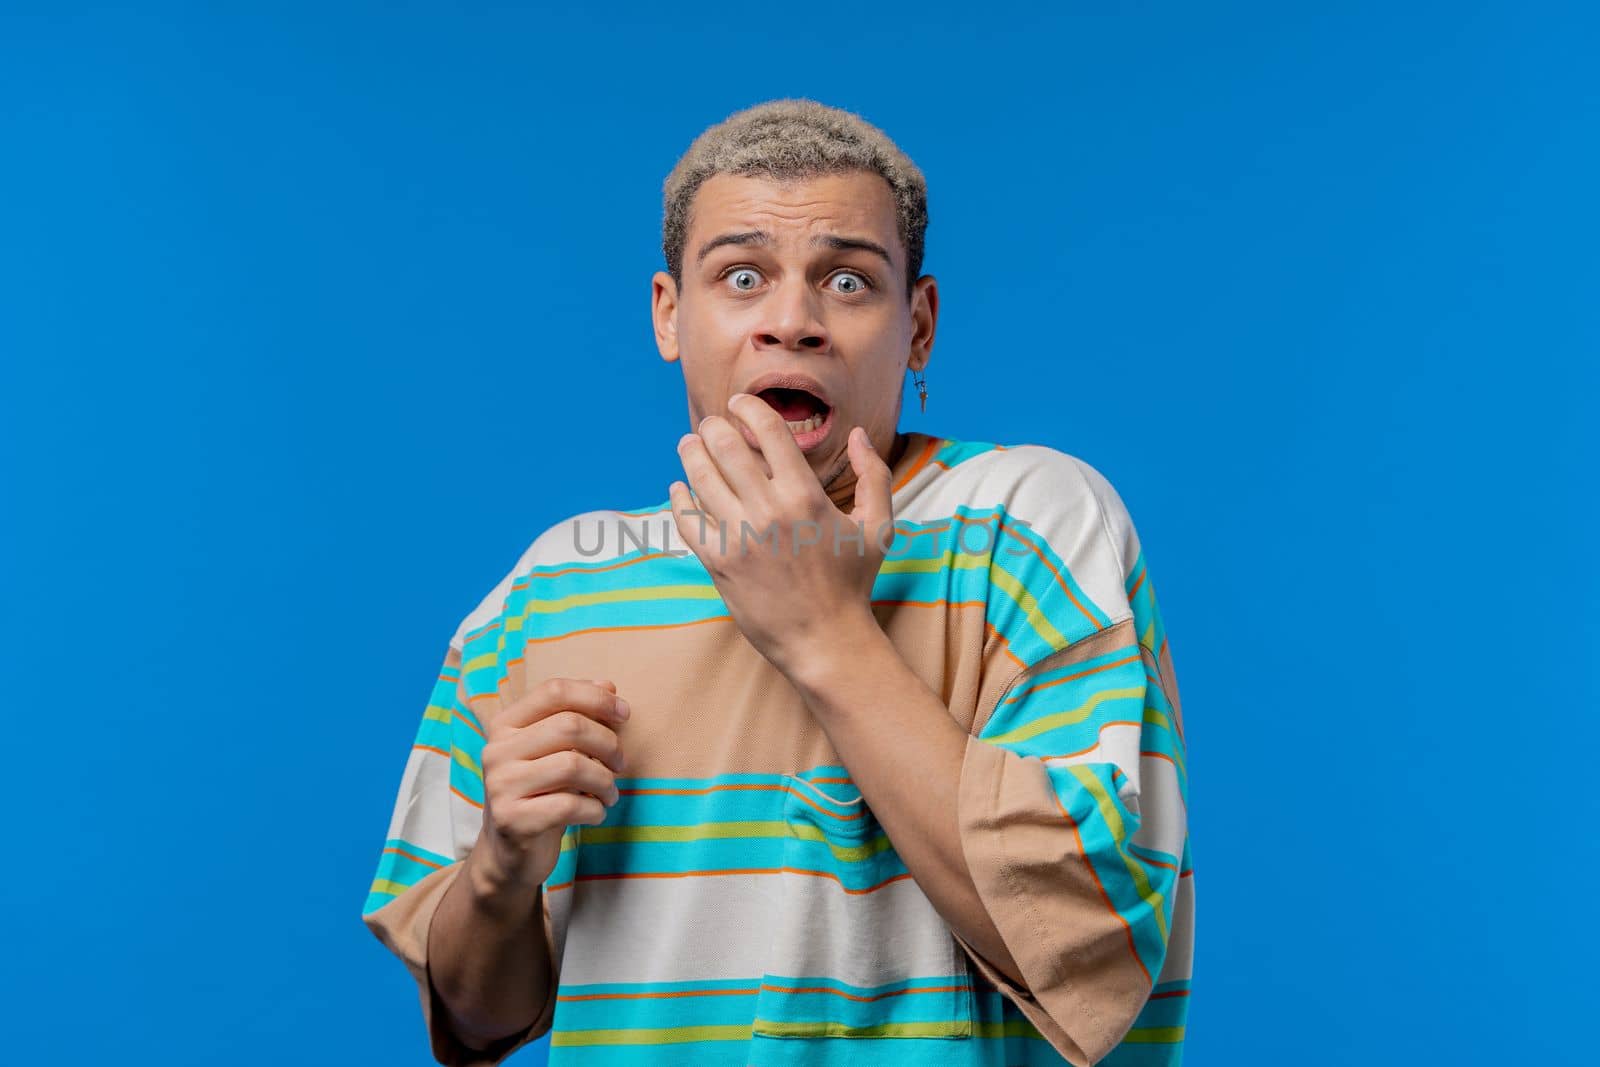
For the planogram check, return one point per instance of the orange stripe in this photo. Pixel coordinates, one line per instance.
(911, 472)
(1154, 863)
(619, 629)
(1099, 885)
(413, 856)
(934, 603)
(433, 748)
(1005, 646)
(1062, 582)
(1091, 748)
(653, 996)
(527, 580)
(1071, 677)
(748, 992)
(739, 870)
(464, 796)
(859, 997)
(1134, 591)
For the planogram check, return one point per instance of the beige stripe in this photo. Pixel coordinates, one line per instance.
(706, 703)
(1117, 635)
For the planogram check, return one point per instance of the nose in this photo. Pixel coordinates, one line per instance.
(791, 319)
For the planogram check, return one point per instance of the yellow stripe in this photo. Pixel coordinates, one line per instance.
(1112, 816)
(1018, 592)
(1056, 720)
(662, 1036)
(1154, 1035)
(1155, 718)
(950, 560)
(1008, 1028)
(385, 885)
(466, 761)
(436, 713)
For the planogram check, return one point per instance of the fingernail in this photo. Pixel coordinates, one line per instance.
(623, 711)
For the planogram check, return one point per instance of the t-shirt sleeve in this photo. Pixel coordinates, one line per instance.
(437, 814)
(1073, 794)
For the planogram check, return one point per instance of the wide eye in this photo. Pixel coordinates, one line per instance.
(744, 279)
(848, 282)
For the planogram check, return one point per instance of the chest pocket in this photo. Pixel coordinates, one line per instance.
(857, 949)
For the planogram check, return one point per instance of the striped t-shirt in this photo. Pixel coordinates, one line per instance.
(741, 905)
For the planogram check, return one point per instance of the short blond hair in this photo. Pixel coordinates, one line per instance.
(793, 139)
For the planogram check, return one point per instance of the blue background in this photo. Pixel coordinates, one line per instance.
(311, 318)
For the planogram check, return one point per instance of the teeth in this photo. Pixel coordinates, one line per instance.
(806, 426)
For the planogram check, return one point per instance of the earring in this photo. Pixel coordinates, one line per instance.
(922, 388)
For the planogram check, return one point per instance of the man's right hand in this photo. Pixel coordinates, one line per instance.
(550, 761)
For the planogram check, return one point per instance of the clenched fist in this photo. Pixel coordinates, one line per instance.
(550, 761)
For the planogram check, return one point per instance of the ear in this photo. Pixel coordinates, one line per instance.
(924, 319)
(664, 314)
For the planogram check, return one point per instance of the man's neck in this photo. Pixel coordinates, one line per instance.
(842, 490)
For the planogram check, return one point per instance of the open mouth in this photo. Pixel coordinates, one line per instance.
(802, 412)
(807, 415)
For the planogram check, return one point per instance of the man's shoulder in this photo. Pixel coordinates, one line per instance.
(1037, 483)
(581, 539)
(1055, 501)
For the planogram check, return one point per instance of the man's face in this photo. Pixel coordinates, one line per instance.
(800, 284)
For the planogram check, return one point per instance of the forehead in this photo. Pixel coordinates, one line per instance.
(856, 203)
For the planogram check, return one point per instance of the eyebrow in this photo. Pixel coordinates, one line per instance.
(761, 237)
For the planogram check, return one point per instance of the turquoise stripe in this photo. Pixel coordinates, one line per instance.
(942, 1001)
(769, 853)
(674, 857)
(1136, 1054)
(1029, 703)
(434, 734)
(954, 453)
(1100, 849)
(886, 1052)
(732, 1053)
(1146, 611)
(1163, 1012)
(1029, 633)
(667, 503)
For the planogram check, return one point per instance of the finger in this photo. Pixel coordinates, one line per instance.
(874, 504)
(560, 694)
(557, 733)
(559, 772)
(739, 465)
(533, 815)
(695, 525)
(704, 477)
(788, 463)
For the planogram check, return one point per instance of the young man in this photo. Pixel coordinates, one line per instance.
(862, 747)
